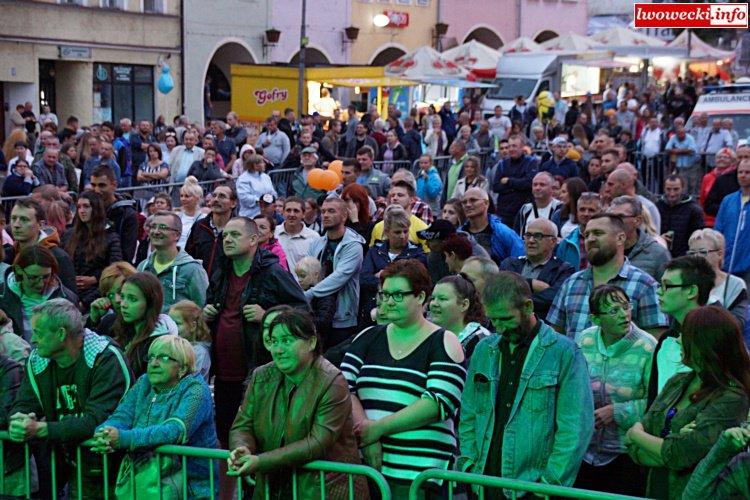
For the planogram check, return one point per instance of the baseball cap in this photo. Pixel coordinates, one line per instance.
(558, 140)
(268, 198)
(438, 230)
(310, 149)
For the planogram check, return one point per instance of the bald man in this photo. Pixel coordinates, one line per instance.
(622, 183)
(544, 272)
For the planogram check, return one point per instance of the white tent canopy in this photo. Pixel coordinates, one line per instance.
(521, 44)
(424, 63)
(473, 55)
(698, 48)
(569, 42)
(619, 36)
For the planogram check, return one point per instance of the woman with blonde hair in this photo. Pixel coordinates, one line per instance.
(191, 325)
(729, 290)
(252, 184)
(191, 195)
(9, 146)
(169, 404)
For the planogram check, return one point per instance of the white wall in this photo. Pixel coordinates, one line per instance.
(18, 93)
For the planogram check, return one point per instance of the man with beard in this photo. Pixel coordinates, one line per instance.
(604, 239)
(535, 420)
(204, 242)
(340, 252)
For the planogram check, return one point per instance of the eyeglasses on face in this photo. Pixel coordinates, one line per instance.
(537, 236)
(702, 252)
(161, 227)
(162, 358)
(396, 296)
(36, 278)
(615, 311)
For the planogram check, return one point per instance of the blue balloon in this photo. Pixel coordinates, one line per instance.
(166, 83)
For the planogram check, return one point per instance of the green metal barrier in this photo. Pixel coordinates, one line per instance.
(516, 486)
(185, 452)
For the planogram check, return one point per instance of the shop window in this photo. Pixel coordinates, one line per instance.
(156, 6)
(123, 91)
(113, 4)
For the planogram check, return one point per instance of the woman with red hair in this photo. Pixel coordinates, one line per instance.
(358, 202)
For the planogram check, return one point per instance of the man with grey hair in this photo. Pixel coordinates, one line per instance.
(183, 156)
(478, 270)
(642, 249)
(182, 277)
(236, 131)
(488, 230)
(74, 381)
(622, 182)
(544, 272)
(50, 171)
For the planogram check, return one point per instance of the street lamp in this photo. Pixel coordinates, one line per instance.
(380, 20)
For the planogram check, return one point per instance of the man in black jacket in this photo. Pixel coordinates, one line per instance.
(120, 210)
(204, 242)
(74, 381)
(247, 281)
(680, 215)
(411, 140)
(512, 181)
(544, 272)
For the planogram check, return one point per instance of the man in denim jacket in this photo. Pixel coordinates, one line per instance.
(526, 411)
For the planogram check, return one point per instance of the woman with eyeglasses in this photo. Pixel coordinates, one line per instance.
(91, 244)
(406, 379)
(32, 281)
(169, 404)
(695, 407)
(456, 306)
(729, 291)
(296, 409)
(140, 320)
(618, 354)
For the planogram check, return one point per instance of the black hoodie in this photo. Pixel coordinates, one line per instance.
(124, 219)
(683, 218)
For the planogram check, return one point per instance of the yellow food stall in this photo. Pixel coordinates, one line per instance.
(258, 90)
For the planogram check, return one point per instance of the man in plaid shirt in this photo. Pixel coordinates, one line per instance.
(605, 247)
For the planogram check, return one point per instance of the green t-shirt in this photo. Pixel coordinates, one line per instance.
(453, 175)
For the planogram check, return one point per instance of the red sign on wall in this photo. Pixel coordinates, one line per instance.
(397, 19)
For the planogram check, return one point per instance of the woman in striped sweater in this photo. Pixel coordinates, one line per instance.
(406, 380)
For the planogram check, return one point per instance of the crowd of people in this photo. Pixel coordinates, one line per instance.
(502, 296)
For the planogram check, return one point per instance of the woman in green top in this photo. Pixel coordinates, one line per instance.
(693, 408)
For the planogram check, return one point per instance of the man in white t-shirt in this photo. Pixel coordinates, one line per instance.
(651, 139)
(499, 124)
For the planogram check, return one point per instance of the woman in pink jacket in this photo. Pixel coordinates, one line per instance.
(266, 240)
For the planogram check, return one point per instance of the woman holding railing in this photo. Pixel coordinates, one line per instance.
(169, 404)
(296, 409)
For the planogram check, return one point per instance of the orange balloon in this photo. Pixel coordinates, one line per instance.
(337, 166)
(315, 178)
(330, 180)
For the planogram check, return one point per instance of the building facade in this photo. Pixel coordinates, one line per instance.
(94, 59)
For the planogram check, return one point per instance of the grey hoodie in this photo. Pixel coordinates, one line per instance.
(185, 279)
(344, 280)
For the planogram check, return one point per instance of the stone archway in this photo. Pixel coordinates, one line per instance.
(485, 36)
(313, 57)
(545, 36)
(387, 56)
(220, 75)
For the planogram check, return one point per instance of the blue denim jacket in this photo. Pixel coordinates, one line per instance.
(552, 418)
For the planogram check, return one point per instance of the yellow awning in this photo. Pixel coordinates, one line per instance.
(383, 81)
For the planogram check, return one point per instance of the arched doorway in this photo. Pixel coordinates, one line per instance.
(313, 57)
(485, 36)
(545, 35)
(387, 56)
(219, 77)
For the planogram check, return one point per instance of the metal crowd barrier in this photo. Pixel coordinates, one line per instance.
(514, 485)
(184, 452)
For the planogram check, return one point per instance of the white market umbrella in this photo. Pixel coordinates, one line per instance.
(424, 63)
(473, 55)
(569, 42)
(622, 37)
(698, 48)
(521, 44)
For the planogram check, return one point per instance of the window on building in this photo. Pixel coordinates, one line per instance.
(123, 91)
(156, 6)
(74, 2)
(113, 4)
